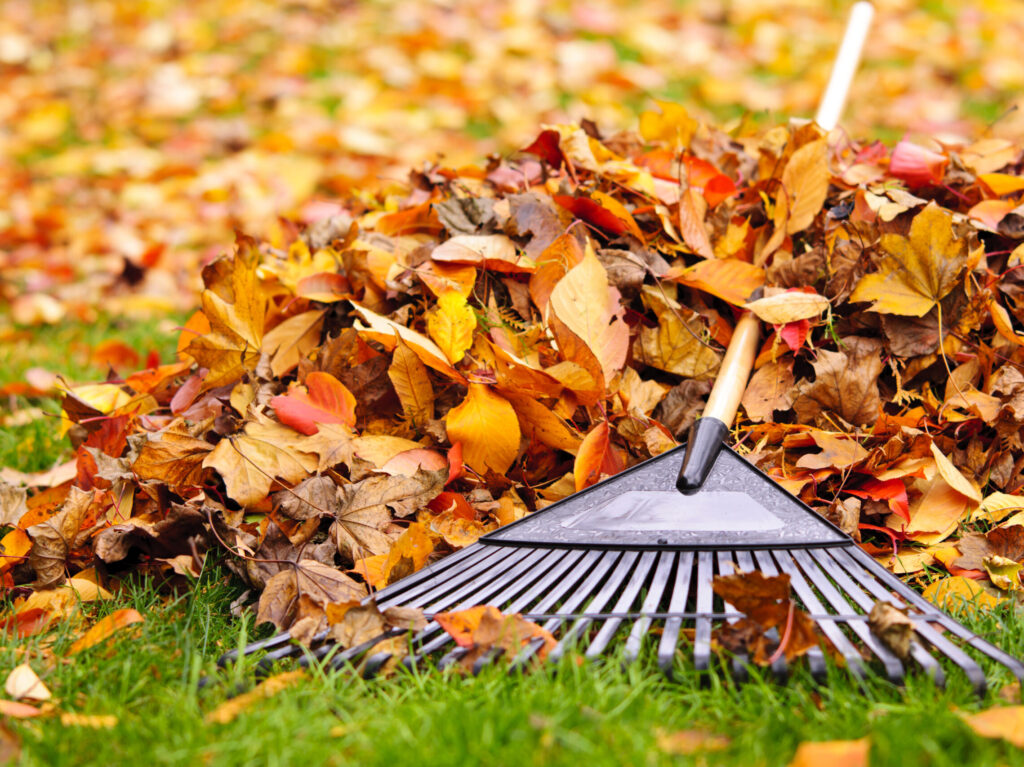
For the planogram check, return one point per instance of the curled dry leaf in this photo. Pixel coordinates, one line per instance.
(893, 627)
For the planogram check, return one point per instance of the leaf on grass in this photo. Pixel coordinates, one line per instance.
(249, 462)
(689, 742)
(486, 425)
(308, 580)
(324, 399)
(834, 753)
(1005, 722)
(918, 271)
(229, 710)
(957, 593)
(105, 628)
(23, 684)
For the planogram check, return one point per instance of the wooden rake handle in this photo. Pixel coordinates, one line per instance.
(712, 427)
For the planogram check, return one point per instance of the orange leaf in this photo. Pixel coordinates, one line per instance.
(691, 224)
(1006, 722)
(835, 753)
(730, 279)
(486, 425)
(325, 401)
(105, 628)
(596, 456)
(13, 549)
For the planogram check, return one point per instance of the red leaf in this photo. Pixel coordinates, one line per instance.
(545, 146)
(794, 333)
(326, 401)
(456, 468)
(593, 213)
(456, 503)
(891, 490)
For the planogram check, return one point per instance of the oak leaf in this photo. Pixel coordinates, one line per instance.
(918, 271)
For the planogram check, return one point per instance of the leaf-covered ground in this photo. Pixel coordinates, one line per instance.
(389, 364)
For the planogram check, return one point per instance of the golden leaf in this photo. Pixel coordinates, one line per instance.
(104, 628)
(805, 181)
(672, 125)
(790, 306)
(387, 332)
(486, 425)
(412, 384)
(916, 272)
(229, 710)
(1006, 722)
(676, 345)
(292, 340)
(249, 462)
(586, 304)
(835, 753)
(451, 325)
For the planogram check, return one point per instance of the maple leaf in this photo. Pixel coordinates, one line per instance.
(479, 629)
(677, 345)
(234, 306)
(249, 462)
(846, 384)
(918, 271)
(173, 456)
(55, 538)
(364, 509)
(314, 581)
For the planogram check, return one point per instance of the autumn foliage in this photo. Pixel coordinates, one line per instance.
(411, 373)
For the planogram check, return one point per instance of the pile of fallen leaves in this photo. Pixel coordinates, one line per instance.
(416, 370)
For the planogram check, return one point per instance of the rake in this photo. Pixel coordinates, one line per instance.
(634, 557)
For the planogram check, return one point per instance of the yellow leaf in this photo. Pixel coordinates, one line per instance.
(790, 306)
(1003, 572)
(672, 125)
(997, 507)
(587, 305)
(412, 384)
(1002, 183)
(915, 273)
(834, 753)
(954, 478)
(235, 306)
(292, 340)
(486, 425)
(676, 345)
(541, 425)
(103, 629)
(93, 721)
(805, 181)
(387, 332)
(249, 462)
(105, 398)
(451, 325)
(687, 742)
(1006, 722)
(960, 593)
(268, 688)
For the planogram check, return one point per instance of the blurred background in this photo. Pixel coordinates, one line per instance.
(135, 135)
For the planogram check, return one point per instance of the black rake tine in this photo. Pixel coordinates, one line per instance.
(629, 594)
(953, 626)
(448, 567)
(865, 602)
(597, 604)
(679, 600)
(654, 594)
(791, 562)
(764, 560)
(875, 586)
(740, 662)
(705, 605)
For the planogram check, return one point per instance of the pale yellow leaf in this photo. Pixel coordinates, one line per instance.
(292, 340)
(790, 306)
(23, 684)
(952, 475)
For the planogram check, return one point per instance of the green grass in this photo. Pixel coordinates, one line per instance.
(66, 349)
(599, 714)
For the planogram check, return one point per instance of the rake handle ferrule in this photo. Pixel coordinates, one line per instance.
(707, 434)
